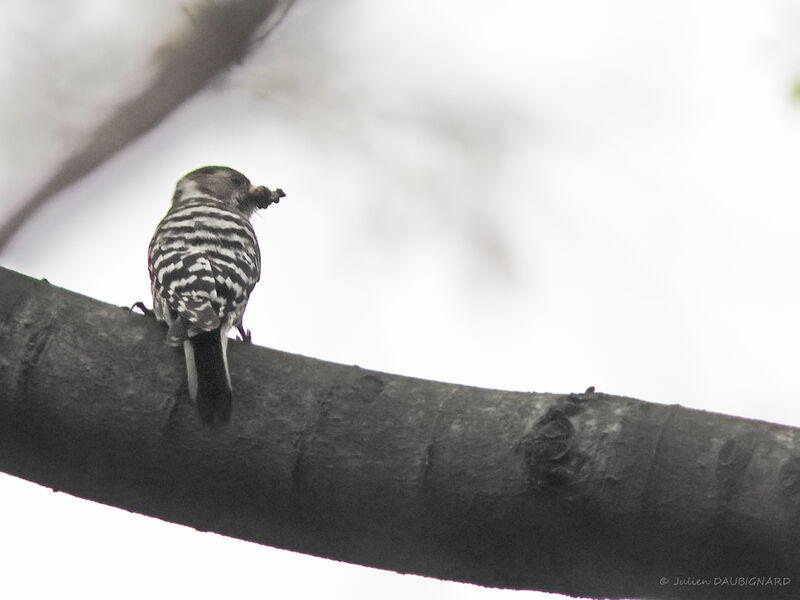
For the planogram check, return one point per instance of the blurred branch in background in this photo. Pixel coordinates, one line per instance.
(429, 141)
(584, 494)
(219, 35)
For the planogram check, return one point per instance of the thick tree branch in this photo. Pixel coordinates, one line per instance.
(584, 494)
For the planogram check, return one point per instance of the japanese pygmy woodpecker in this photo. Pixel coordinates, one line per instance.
(204, 261)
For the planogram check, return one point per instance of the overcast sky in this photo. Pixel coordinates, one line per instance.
(544, 196)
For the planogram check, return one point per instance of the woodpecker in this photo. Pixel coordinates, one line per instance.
(204, 261)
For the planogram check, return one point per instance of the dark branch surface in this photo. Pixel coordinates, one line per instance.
(220, 36)
(583, 494)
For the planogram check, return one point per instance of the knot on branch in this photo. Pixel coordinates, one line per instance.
(550, 453)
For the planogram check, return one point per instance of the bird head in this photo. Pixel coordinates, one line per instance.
(227, 186)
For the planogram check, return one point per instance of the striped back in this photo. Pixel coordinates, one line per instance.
(204, 261)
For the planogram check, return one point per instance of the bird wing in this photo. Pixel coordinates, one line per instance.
(204, 262)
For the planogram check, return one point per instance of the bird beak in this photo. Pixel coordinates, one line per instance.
(264, 197)
(259, 195)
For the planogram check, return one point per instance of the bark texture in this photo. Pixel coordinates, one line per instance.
(583, 494)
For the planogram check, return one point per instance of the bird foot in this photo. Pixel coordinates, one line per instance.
(245, 334)
(147, 312)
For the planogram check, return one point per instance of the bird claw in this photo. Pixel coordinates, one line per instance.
(147, 312)
(245, 334)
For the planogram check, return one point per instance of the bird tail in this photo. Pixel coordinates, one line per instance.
(207, 374)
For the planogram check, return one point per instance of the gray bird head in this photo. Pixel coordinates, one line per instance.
(226, 185)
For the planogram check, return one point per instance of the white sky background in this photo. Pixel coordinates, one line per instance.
(525, 195)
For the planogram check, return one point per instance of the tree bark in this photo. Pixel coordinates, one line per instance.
(583, 494)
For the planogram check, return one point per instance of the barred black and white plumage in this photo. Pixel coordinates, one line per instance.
(204, 261)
